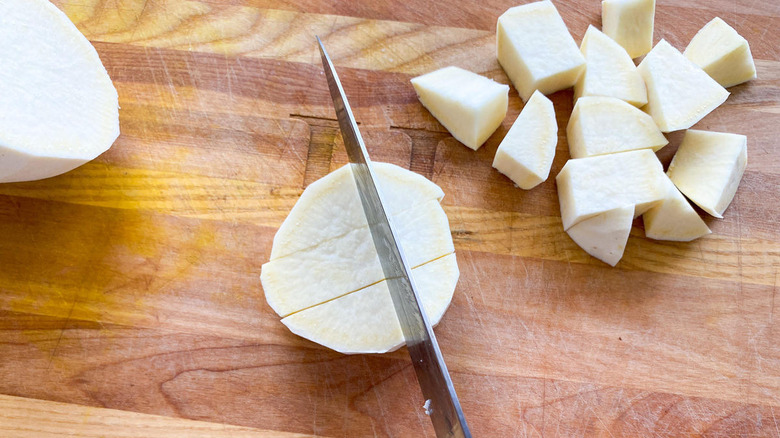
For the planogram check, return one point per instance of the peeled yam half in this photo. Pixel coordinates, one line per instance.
(59, 108)
(326, 281)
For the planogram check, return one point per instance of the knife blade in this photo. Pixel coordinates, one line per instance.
(442, 403)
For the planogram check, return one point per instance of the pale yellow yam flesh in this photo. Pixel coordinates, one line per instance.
(470, 106)
(527, 151)
(347, 263)
(609, 71)
(604, 236)
(593, 185)
(679, 93)
(606, 125)
(536, 50)
(708, 167)
(674, 218)
(312, 220)
(365, 321)
(630, 23)
(722, 53)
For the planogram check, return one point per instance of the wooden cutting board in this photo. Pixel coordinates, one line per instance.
(132, 283)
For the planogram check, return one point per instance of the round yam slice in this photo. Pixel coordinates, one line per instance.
(59, 108)
(324, 278)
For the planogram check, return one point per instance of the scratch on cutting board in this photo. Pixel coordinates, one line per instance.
(137, 18)
(288, 136)
(606, 428)
(743, 385)
(774, 293)
(544, 400)
(62, 333)
(330, 32)
(479, 283)
(692, 414)
(169, 83)
(374, 391)
(229, 75)
(590, 408)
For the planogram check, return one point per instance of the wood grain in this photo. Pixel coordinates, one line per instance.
(132, 282)
(40, 419)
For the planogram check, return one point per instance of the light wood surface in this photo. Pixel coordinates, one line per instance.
(23, 417)
(132, 283)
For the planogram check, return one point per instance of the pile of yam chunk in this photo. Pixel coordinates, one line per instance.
(620, 115)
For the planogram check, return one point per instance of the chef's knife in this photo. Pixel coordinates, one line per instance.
(441, 401)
